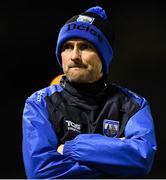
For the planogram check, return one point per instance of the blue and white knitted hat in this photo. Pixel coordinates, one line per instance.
(93, 26)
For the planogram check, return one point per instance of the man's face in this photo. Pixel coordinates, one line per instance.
(80, 61)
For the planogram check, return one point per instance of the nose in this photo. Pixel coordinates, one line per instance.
(76, 54)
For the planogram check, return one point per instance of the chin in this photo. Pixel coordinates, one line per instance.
(78, 80)
(74, 76)
(81, 77)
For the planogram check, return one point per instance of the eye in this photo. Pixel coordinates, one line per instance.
(67, 46)
(86, 46)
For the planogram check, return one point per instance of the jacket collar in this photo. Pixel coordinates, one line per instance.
(94, 90)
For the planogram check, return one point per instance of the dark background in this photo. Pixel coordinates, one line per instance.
(28, 32)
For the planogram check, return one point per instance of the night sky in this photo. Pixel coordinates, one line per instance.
(28, 33)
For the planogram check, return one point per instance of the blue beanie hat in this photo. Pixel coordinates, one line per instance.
(93, 26)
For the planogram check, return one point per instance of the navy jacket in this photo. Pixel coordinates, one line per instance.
(107, 131)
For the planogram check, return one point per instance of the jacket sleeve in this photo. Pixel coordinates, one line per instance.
(129, 157)
(41, 160)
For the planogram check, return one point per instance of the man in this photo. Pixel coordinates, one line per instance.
(86, 127)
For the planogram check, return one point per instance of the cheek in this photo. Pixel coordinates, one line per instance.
(95, 63)
(64, 61)
(98, 68)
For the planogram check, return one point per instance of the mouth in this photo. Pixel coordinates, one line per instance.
(77, 66)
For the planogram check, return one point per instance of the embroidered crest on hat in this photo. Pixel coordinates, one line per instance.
(85, 19)
(110, 128)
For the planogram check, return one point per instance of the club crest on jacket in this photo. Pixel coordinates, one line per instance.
(110, 128)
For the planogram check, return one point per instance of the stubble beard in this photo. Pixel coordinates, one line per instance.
(82, 77)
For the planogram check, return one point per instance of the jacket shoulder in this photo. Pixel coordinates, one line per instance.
(40, 95)
(137, 98)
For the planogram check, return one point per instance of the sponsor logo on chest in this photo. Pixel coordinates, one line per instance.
(72, 126)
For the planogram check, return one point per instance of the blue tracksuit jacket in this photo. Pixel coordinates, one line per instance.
(107, 132)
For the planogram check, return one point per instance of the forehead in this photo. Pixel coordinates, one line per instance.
(79, 41)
